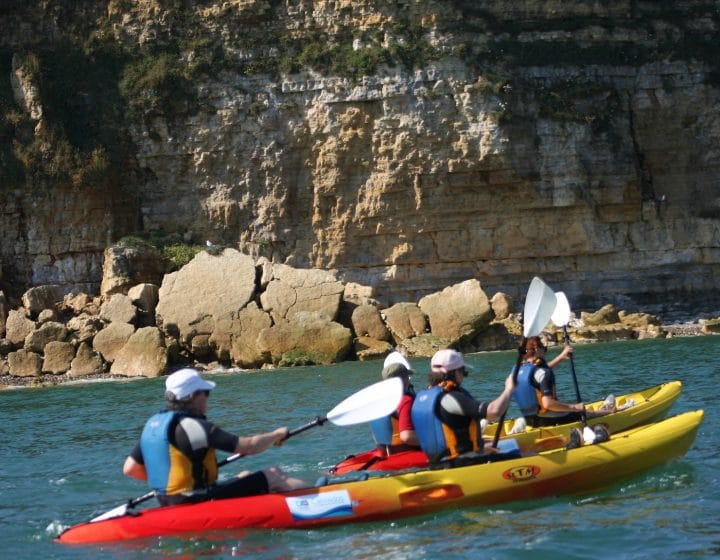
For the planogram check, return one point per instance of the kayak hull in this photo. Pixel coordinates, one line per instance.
(651, 404)
(392, 496)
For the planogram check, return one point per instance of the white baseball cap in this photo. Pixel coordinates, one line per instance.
(448, 360)
(185, 382)
(396, 358)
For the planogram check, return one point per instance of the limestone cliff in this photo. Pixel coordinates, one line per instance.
(409, 145)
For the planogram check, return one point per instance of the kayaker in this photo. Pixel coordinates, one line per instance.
(446, 417)
(395, 433)
(536, 391)
(176, 451)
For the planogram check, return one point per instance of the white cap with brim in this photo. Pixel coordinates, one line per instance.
(448, 360)
(396, 358)
(185, 382)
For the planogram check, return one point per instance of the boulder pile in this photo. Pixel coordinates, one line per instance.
(226, 309)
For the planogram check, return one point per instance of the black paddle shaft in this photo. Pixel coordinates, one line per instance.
(583, 414)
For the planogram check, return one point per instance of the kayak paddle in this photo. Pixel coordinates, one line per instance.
(373, 402)
(561, 317)
(540, 303)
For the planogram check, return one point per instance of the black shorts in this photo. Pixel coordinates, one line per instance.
(250, 485)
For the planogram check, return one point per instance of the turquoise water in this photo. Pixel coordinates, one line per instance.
(62, 452)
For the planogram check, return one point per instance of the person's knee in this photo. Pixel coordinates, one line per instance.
(275, 477)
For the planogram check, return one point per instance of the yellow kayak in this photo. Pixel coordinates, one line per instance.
(634, 409)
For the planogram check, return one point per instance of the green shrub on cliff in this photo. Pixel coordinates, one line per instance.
(170, 245)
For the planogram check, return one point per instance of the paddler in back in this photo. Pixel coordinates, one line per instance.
(536, 391)
(395, 433)
(176, 451)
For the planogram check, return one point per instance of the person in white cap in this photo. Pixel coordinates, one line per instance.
(395, 433)
(446, 417)
(176, 451)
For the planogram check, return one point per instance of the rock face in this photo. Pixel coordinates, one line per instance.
(519, 139)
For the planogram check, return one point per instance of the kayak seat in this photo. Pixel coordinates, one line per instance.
(507, 449)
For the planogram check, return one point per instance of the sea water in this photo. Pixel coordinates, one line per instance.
(62, 451)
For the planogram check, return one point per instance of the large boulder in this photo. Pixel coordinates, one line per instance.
(606, 315)
(86, 362)
(144, 355)
(48, 332)
(367, 322)
(293, 291)
(404, 320)
(459, 312)
(502, 306)
(127, 266)
(25, 364)
(118, 309)
(58, 357)
(110, 340)
(18, 327)
(206, 289)
(234, 339)
(41, 297)
(307, 338)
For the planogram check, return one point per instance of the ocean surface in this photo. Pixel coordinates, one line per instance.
(63, 447)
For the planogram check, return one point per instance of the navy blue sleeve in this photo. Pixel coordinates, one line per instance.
(137, 455)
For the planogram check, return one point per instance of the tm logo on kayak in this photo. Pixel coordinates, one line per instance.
(522, 473)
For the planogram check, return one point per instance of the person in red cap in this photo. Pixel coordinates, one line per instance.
(446, 416)
(176, 451)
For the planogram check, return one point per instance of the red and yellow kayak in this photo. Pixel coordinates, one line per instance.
(634, 409)
(391, 496)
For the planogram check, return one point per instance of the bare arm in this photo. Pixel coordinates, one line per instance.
(260, 442)
(562, 356)
(134, 469)
(500, 404)
(550, 403)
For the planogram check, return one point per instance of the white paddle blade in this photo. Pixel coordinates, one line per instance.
(373, 402)
(561, 315)
(539, 306)
(115, 512)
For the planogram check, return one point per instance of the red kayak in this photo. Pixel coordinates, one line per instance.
(376, 460)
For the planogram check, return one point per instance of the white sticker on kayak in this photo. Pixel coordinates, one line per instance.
(317, 506)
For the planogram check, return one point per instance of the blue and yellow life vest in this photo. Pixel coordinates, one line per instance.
(526, 394)
(437, 439)
(169, 470)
